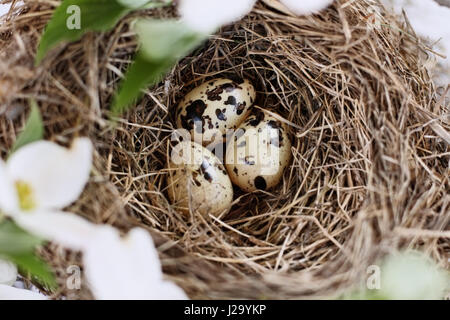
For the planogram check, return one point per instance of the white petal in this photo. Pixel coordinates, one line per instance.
(56, 175)
(207, 16)
(107, 268)
(66, 229)
(139, 244)
(168, 291)
(127, 268)
(8, 272)
(10, 293)
(303, 7)
(8, 195)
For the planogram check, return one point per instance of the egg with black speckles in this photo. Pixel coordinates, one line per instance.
(197, 180)
(258, 152)
(212, 108)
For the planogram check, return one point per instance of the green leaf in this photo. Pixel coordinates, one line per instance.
(140, 74)
(35, 266)
(162, 40)
(14, 240)
(163, 44)
(95, 15)
(33, 130)
(18, 246)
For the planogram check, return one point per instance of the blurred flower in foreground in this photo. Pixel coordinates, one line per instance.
(412, 275)
(207, 16)
(126, 268)
(41, 178)
(115, 268)
(409, 275)
(8, 272)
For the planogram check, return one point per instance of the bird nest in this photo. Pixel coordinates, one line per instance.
(370, 154)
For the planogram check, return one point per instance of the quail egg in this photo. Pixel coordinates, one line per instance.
(212, 108)
(197, 180)
(258, 152)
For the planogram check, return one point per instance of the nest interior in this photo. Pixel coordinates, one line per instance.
(370, 170)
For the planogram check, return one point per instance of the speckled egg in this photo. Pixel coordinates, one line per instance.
(213, 107)
(197, 180)
(258, 152)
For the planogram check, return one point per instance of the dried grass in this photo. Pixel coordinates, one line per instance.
(370, 171)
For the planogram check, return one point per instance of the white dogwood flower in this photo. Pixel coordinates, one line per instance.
(39, 180)
(8, 272)
(115, 268)
(42, 178)
(207, 16)
(126, 268)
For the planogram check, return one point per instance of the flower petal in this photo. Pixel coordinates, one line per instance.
(10, 293)
(8, 272)
(103, 262)
(207, 16)
(303, 7)
(111, 265)
(56, 175)
(8, 198)
(66, 229)
(142, 251)
(168, 291)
